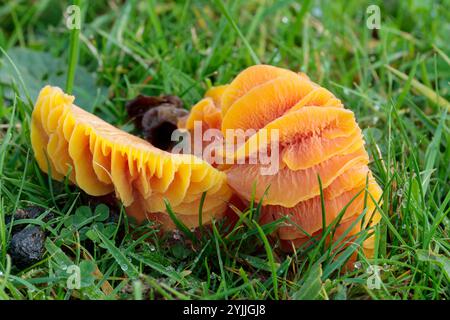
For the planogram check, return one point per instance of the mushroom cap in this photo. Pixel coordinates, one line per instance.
(206, 112)
(100, 159)
(317, 137)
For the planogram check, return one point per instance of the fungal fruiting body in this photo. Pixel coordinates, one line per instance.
(322, 175)
(207, 111)
(100, 159)
(317, 137)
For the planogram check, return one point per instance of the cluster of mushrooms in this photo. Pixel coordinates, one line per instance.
(322, 162)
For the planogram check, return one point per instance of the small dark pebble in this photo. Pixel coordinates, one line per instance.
(156, 118)
(31, 212)
(27, 247)
(28, 213)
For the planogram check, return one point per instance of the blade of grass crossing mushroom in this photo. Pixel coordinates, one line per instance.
(330, 231)
(322, 205)
(180, 225)
(200, 212)
(335, 223)
(259, 207)
(365, 200)
(342, 258)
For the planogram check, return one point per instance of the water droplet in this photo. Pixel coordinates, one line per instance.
(317, 12)
(124, 267)
(170, 269)
(152, 248)
(346, 91)
(375, 120)
(357, 265)
(285, 19)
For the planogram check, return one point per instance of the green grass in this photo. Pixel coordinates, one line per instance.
(397, 83)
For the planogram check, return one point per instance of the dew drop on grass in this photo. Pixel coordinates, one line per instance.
(170, 269)
(357, 265)
(152, 248)
(124, 267)
(375, 120)
(317, 12)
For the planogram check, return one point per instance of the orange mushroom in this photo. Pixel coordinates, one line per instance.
(207, 111)
(317, 137)
(101, 159)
